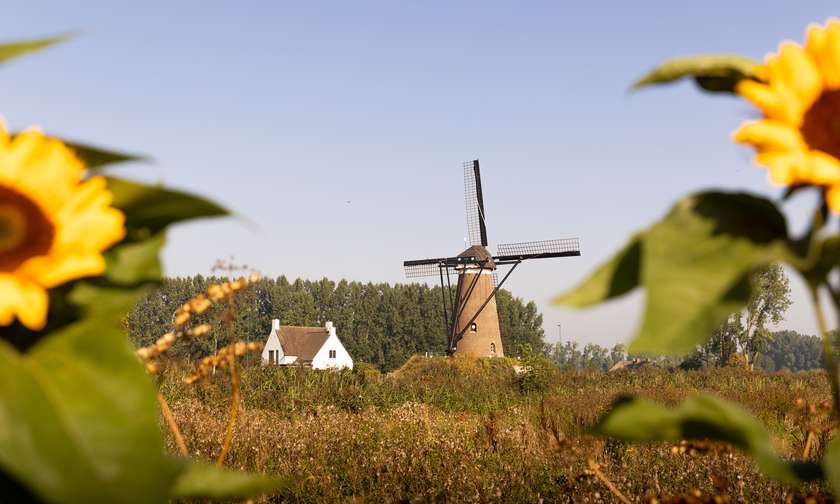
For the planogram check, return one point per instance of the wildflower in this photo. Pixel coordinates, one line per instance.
(798, 139)
(53, 225)
(198, 331)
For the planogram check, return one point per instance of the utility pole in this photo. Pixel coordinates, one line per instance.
(559, 333)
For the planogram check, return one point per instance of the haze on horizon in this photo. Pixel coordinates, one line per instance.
(337, 132)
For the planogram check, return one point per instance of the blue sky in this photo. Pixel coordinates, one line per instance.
(285, 112)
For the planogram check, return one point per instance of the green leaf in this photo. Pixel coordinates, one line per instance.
(78, 419)
(831, 464)
(827, 258)
(202, 480)
(108, 303)
(695, 266)
(11, 50)
(614, 278)
(701, 417)
(153, 208)
(97, 157)
(712, 72)
(135, 262)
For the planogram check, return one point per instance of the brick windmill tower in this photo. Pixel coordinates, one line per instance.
(470, 312)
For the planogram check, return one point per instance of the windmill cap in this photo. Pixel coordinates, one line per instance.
(481, 254)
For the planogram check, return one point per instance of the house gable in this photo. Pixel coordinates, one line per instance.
(273, 351)
(332, 355)
(317, 346)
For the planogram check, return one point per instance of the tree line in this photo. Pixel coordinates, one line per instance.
(782, 351)
(378, 323)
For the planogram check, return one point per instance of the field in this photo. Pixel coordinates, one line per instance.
(440, 430)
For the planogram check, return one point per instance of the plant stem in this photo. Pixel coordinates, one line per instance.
(234, 409)
(606, 481)
(828, 350)
(808, 442)
(173, 425)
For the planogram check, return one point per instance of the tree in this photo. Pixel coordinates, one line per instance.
(378, 323)
(747, 331)
(768, 305)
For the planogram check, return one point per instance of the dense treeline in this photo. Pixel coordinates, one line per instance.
(782, 351)
(791, 351)
(378, 323)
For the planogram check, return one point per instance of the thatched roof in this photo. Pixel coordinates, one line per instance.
(303, 342)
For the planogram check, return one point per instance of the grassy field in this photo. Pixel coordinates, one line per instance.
(442, 430)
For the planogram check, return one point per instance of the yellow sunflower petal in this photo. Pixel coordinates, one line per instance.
(832, 197)
(821, 169)
(57, 269)
(25, 300)
(815, 39)
(47, 168)
(769, 134)
(830, 55)
(797, 71)
(88, 222)
(783, 167)
(85, 227)
(69, 224)
(763, 97)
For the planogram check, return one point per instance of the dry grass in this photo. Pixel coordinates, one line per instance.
(453, 430)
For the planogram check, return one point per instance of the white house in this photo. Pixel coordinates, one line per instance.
(318, 347)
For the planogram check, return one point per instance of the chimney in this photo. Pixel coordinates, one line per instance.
(329, 327)
(275, 324)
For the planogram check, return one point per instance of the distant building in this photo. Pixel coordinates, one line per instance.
(318, 347)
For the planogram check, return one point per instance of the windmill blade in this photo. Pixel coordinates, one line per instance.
(474, 200)
(422, 270)
(431, 267)
(538, 249)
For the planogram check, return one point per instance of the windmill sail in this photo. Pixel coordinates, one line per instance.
(469, 311)
(539, 249)
(474, 199)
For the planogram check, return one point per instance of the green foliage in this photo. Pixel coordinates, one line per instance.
(711, 257)
(451, 384)
(568, 355)
(746, 333)
(78, 414)
(96, 158)
(717, 73)
(537, 373)
(701, 417)
(151, 209)
(618, 276)
(694, 265)
(79, 419)
(378, 323)
(791, 351)
(831, 463)
(12, 50)
(202, 480)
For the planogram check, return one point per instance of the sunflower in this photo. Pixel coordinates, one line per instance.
(798, 93)
(53, 224)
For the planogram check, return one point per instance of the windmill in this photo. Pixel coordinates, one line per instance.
(470, 315)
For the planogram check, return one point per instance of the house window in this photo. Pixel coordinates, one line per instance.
(473, 327)
(492, 348)
(332, 354)
(271, 356)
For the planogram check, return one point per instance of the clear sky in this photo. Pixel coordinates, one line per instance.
(337, 131)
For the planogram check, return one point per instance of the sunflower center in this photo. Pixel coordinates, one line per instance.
(25, 231)
(821, 124)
